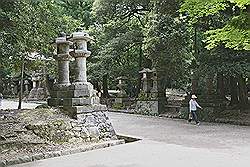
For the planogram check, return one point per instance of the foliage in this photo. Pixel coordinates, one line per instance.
(32, 27)
(235, 33)
(166, 43)
(79, 10)
(173, 36)
(119, 37)
(118, 106)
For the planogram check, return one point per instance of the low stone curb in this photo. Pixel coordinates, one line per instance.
(52, 154)
(233, 122)
(121, 111)
(218, 120)
(174, 116)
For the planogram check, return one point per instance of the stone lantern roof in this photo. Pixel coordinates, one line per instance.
(81, 35)
(145, 70)
(122, 78)
(62, 40)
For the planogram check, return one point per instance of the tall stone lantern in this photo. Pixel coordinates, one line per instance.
(26, 87)
(63, 58)
(79, 99)
(80, 54)
(146, 80)
(81, 93)
(60, 89)
(122, 95)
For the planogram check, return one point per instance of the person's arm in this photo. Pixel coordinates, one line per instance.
(198, 105)
(190, 104)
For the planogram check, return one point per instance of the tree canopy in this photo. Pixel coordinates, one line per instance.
(176, 37)
(235, 33)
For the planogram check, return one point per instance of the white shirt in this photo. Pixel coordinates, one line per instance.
(193, 105)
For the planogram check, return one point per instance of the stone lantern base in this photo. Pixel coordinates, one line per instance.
(122, 98)
(76, 100)
(148, 106)
(37, 94)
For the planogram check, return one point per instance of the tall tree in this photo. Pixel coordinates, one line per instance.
(166, 42)
(224, 26)
(32, 26)
(118, 30)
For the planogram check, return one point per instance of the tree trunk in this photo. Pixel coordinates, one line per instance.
(243, 99)
(221, 85)
(96, 86)
(21, 87)
(105, 86)
(209, 85)
(138, 87)
(194, 84)
(234, 91)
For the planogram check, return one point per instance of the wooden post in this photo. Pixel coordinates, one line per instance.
(21, 84)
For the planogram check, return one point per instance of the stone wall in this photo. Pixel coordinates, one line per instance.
(51, 126)
(91, 127)
(29, 135)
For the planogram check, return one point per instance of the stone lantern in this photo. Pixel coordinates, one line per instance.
(80, 54)
(122, 95)
(35, 84)
(60, 89)
(79, 100)
(152, 99)
(121, 87)
(80, 94)
(26, 87)
(38, 90)
(146, 79)
(12, 89)
(155, 85)
(63, 58)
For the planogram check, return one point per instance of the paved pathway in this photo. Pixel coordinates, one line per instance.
(165, 142)
(13, 104)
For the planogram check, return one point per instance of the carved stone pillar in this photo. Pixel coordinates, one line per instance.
(80, 54)
(63, 59)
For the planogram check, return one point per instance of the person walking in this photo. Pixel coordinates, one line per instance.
(193, 108)
(1, 98)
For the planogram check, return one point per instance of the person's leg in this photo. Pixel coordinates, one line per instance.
(189, 117)
(195, 117)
